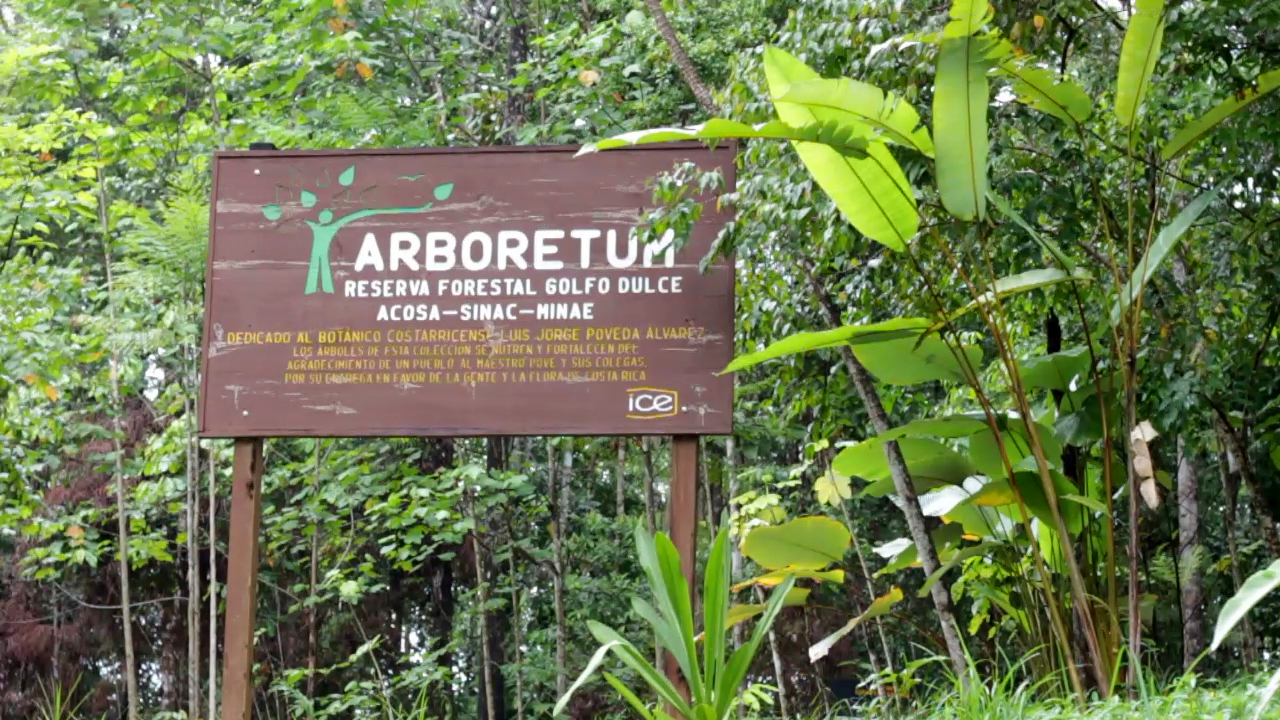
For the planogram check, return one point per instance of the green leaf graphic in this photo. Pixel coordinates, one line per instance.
(444, 191)
(308, 198)
(272, 212)
(347, 177)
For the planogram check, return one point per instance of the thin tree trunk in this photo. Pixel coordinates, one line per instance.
(313, 645)
(559, 489)
(902, 483)
(1240, 449)
(1135, 546)
(516, 622)
(735, 557)
(683, 63)
(193, 572)
(1231, 495)
(650, 501)
(213, 581)
(482, 591)
(122, 515)
(620, 498)
(1188, 550)
(704, 479)
(517, 53)
(778, 674)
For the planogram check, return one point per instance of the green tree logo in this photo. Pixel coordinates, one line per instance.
(326, 226)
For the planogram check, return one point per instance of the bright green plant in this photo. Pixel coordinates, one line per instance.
(1252, 592)
(714, 683)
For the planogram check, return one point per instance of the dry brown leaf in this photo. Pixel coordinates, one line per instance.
(45, 156)
(336, 26)
(75, 532)
(1150, 493)
(365, 71)
(342, 69)
(1144, 431)
(589, 77)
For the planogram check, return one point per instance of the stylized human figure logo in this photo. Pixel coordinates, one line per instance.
(326, 226)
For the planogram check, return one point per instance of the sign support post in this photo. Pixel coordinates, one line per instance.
(683, 510)
(242, 580)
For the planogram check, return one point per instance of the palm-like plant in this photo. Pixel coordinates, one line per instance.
(716, 680)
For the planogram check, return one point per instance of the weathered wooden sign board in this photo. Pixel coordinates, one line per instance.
(442, 292)
(454, 292)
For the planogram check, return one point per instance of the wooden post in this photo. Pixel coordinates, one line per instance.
(682, 507)
(242, 580)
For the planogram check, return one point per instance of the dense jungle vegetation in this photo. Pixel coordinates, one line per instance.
(1007, 426)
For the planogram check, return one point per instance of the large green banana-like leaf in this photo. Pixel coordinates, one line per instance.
(960, 100)
(846, 137)
(1138, 55)
(1046, 91)
(895, 329)
(1205, 124)
(966, 18)
(886, 112)
(872, 192)
(1164, 243)
(1251, 593)
(1013, 285)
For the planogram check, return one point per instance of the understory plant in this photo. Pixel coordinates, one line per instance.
(714, 683)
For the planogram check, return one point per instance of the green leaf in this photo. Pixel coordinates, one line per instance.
(1268, 693)
(775, 577)
(715, 608)
(950, 426)
(308, 198)
(628, 695)
(1095, 505)
(895, 329)
(1138, 56)
(832, 489)
(966, 17)
(960, 101)
(735, 671)
(347, 176)
(796, 597)
(1065, 370)
(1046, 91)
(1197, 129)
(806, 542)
(872, 192)
(1049, 246)
(955, 559)
(443, 191)
(908, 361)
(594, 664)
(1251, 593)
(880, 606)
(886, 112)
(930, 463)
(631, 657)
(1013, 285)
(272, 212)
(850, 137)
(1164, 243)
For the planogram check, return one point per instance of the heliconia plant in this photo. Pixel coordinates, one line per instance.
(996, 475)
(715, 681)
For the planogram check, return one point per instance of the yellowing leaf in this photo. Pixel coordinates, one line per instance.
(342, 69)
(46, 156)
(365, 71)
(75, 531)
(51, 392)
(777, 576)
(336, 26)
(31, 378)
(1038, 21)
(341, 5)
(589, 77)
(832, 488)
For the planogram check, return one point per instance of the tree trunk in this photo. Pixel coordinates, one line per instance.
(735, 558)
(515, 627)
(122, 514)
(1239, 447)
(1135, 540)
(313, 646)
(559, 510)
(1231, 494)
(690, 74)
(902, 483)
(486, 672)
(193, 567)
(778, 674)
(213, 581)
(620, 497)
(517, 53)
(1188, 551)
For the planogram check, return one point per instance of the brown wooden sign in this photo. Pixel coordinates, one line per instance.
(497, 291)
